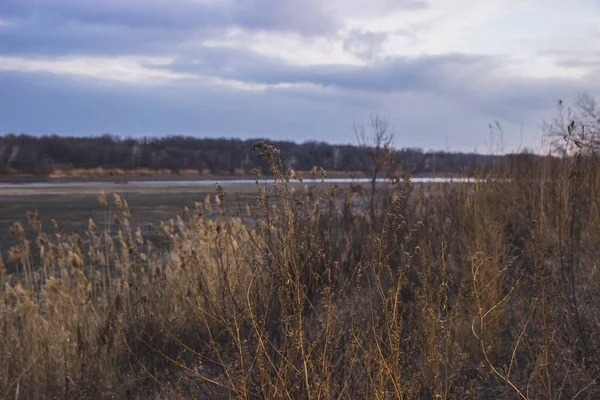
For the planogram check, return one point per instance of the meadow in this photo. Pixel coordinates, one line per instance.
(391, 290)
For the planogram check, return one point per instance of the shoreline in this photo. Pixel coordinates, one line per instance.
(125, 179)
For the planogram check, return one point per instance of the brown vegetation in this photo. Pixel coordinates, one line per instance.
(485, 290)
(99, 171)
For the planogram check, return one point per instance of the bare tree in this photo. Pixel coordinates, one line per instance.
(576, 130)
(378, 155)
(589, 119)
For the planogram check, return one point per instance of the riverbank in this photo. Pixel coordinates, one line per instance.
(174, 176)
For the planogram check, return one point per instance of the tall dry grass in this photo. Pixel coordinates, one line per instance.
(485, 290)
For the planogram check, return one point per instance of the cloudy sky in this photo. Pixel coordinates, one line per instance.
(441, 70)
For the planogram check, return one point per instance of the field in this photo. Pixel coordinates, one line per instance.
(479, 290)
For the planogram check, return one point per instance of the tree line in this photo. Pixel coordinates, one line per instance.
(41, 155)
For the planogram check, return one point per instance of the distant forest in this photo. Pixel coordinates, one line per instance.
(44, 155)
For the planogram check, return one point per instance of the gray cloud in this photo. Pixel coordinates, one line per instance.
(365, 45)
(50, 39)
(280, 15)
(577, 62)
(109, 27)
(573, 59)
(472, 81)
(59, 27)
(433, 73)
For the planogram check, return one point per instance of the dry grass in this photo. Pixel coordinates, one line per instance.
(487, 290)
(97, 172)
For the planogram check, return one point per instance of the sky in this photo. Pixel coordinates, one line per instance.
(440, 70)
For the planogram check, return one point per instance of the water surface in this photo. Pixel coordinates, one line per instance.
(206, 182)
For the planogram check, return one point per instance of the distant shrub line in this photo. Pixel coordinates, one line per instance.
(61, 156)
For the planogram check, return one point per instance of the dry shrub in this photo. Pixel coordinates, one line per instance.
(104, 172)
(475, 290)
(189, 172)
